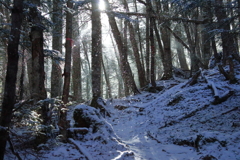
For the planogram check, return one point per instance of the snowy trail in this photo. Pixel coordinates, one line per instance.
(131, 127)
(128, 129)
(143, 147)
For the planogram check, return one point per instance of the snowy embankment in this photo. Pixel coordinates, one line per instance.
(180, 122)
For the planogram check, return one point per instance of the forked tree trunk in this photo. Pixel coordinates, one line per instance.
(166, 55)
(68, 59)
(127, 72)
(11, 75)
(140, 69)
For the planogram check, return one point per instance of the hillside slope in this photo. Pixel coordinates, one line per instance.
(181, 122)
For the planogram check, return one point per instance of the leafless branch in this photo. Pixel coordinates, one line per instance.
(5, 5)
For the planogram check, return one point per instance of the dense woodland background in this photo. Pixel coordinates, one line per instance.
(83, 50)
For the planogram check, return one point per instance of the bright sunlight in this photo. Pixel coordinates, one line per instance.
(102, 5)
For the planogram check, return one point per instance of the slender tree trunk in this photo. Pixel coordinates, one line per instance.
(11, 76)
(68, 59)
(147, 47)
(125, 42)
(180, 50)
(21, 84)
(109, 88)
(96, 53)
(88, 79)
(153, 53)
(121, 85)
(56, 74)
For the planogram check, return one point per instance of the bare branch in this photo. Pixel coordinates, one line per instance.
(141, 1)
(178, 38)
(5, 5)
(163, 18)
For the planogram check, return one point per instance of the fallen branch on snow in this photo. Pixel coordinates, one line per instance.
(223, 98)
(193, 80)
(217, 98)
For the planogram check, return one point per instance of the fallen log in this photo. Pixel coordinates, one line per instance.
(223, 98)
(193, 80)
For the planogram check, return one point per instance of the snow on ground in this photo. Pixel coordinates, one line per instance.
(178, 123)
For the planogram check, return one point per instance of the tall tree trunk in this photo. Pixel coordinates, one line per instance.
(36, 36)
(96, 53)
(127, 73)
(125, 42)
(11, 75)
(153, 53)
(5, 19)
(76, 65)
(147, 47)
(206, 39)
(76, 73)
(56, 74)
(68, 59)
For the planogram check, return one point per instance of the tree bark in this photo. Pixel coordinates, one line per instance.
(76, 65)
(96, 53)
(56, 74)
(36, 37)
(76, 73)
(68, 59)
(153, 53)
(11, 75)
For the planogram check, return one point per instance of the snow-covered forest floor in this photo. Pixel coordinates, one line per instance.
(180, 122)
